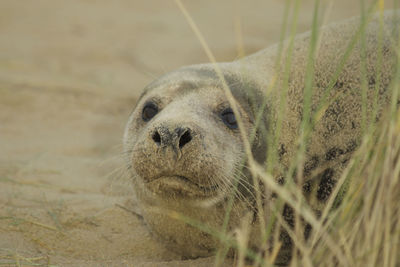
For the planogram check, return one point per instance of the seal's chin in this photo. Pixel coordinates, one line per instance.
(178, 186)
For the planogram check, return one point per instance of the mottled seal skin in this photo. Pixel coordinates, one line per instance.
(184, 150)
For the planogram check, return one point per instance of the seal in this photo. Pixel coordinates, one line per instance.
(186, 155)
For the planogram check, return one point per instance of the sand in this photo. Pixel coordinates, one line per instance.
(70, 72)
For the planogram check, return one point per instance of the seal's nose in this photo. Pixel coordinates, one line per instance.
(184, 136)
(178, 138)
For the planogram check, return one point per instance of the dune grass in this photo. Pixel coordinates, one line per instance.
(13, 258)
(364, 230)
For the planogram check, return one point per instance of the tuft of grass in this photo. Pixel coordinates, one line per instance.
(360, 223)
(13, 258)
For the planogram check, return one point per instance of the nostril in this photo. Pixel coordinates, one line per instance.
(185, 138)
(157, 138)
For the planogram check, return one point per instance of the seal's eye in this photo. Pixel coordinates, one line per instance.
(228, 117)
(149, 111)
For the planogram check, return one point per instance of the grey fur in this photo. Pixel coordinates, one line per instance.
(207, 167)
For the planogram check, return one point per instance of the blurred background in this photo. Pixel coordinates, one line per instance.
(70, 73)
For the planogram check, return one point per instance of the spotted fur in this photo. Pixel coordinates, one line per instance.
(198, 178)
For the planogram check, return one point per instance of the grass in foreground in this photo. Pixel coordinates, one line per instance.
(364, 230)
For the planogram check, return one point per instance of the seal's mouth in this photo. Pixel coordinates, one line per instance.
(176, 185)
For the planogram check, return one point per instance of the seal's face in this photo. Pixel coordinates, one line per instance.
(184, 145)
(184, 150)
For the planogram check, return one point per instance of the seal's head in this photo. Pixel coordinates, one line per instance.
(185, 154)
